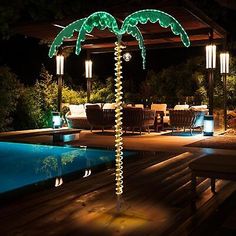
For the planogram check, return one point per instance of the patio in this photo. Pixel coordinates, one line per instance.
(166, 209)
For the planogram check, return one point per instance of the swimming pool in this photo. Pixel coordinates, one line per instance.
(28, 164)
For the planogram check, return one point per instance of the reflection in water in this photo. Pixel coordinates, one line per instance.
(27, 164)
(54, 165)
(58, 182)
(87, 173)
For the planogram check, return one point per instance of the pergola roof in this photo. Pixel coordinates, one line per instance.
(195, 22)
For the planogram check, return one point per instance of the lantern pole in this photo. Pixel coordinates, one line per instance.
(210, 66)
(224, 70)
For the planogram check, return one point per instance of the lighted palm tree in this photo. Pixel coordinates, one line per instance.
(103, 20)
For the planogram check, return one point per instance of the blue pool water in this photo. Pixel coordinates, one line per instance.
(27, 164)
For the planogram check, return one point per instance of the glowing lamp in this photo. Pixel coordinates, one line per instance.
(224, 70)
(58, 182)
(211, 56)
(127, 56)
(60, 64)
(88, 69)
(208, 125)
(224, 63)
(56, 120)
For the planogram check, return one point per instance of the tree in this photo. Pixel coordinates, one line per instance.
(10, 91)
(28, 114)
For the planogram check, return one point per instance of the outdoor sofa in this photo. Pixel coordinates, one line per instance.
(138, 118)
(162, 107)
(189, 118)
(90, 116)
(133, 118)
(76, 117)
(100, 118)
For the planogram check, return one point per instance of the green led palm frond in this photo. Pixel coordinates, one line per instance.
(100, 20)
(135, 32)
(67, 32)
(165, 20)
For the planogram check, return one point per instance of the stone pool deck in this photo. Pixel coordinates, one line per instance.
(157, 196)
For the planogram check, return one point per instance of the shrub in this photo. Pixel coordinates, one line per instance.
(10, 91)
(36, 103)
(28, 113)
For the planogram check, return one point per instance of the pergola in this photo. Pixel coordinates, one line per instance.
(198, 26)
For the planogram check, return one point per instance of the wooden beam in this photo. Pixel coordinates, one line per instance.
(128, 38)
(201, 16)
(199, 43)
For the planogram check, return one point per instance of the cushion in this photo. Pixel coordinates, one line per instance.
(77, 110)
(181, 107)
(231, 113)
(166, 119)
(199, 108)
(139, 105)
(232, 123)
(129, 105)
(99, 104)
(159, 107)
(109, 106)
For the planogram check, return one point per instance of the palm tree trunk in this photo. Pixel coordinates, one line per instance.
(118, 126)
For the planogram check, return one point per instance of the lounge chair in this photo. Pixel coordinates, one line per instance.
(100, 118)
(138, 118)
(76, 117)
(189, 119)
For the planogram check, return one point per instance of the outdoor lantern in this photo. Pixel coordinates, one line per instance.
(210, 66)
(56, 120)
(208, 129)
(60, 72)
(88, 69)
(211, 56)
(88, 76)
(224, 70)
(127, 56)
(60, 64)
(224, 63)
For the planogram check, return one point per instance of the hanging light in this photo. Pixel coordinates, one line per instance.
(88, 69)
(211, 56)
(127, 56)
(224, 63)
(60, 64)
